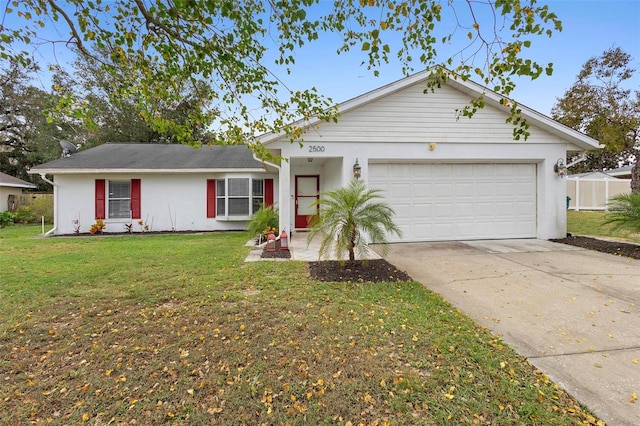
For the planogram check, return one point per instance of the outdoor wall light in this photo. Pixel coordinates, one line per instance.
(357, 170)
(560, 168)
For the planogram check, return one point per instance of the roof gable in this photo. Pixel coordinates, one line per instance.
(122, 157)
(14, 182)
(578, 140)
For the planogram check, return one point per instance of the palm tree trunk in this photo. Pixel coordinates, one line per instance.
(352, 245)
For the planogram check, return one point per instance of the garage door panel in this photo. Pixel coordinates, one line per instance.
(459, 201)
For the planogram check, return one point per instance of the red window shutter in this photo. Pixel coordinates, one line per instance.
(100, 199)
(136, 205)
(268, 192)
(211, 198)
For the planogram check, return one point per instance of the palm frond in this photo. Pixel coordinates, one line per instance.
(624, 212)
(347, 215)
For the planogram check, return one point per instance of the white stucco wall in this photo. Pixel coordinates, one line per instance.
(169, 202)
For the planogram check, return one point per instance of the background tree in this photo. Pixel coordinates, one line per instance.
(125, 119)
(243, 51)
(599, 105)
(27, 138)
(348, 214)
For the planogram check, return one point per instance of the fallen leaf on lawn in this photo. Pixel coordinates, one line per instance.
(633, 398)
(633, 360)
(85, 417)
(369, 399)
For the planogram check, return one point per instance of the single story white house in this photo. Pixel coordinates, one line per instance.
(10, 189)
(447, 178)
(157, 187)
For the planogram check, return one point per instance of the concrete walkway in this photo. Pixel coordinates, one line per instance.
(574, 313)
(301, 250)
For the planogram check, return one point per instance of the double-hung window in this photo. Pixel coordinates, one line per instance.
(119, 199)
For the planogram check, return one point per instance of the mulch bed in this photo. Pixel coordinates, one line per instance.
(611, 247)
(376, 270)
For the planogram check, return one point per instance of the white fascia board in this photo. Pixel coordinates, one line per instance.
(18, 185)
(141, 171)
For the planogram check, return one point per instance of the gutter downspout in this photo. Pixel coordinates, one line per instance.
(255, 157)
(55, 203)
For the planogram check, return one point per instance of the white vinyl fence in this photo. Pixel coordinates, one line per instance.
(594, 193)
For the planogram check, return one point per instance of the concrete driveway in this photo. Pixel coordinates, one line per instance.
(574, 313)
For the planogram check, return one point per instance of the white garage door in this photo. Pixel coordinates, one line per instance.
(437, 202)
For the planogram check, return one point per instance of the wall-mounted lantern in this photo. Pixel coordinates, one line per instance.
(560, 168)
(357, 170)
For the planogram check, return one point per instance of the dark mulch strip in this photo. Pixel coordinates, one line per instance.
(611, 247)
(278, 254)
(377, 270)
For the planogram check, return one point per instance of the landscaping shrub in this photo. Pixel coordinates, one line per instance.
(43, 206)
(266, 218)
(6, 218)
(24, 214)
(34, 209)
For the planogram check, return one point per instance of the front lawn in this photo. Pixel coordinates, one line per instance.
(177, 329)
(590, 223)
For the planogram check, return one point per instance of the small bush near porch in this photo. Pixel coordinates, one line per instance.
(178, 329)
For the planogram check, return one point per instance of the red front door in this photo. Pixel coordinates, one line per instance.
(307, 193)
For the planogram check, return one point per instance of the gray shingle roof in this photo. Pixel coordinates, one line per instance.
(131, 156)
(8, 180)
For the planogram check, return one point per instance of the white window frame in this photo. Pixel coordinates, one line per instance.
(222, 199)
(112, 198)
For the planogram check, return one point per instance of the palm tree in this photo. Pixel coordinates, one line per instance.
(349, 213)
(624, 212)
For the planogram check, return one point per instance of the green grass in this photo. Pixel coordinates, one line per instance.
(590, 223)
(177, 329)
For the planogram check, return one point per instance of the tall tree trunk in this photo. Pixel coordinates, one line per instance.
(635, 177)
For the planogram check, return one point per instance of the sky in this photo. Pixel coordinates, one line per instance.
(589, 28)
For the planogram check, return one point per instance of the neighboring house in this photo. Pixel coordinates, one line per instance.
(10, 191)
(593, 190)
(164, 187)
(446, 178)
(623, 172)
